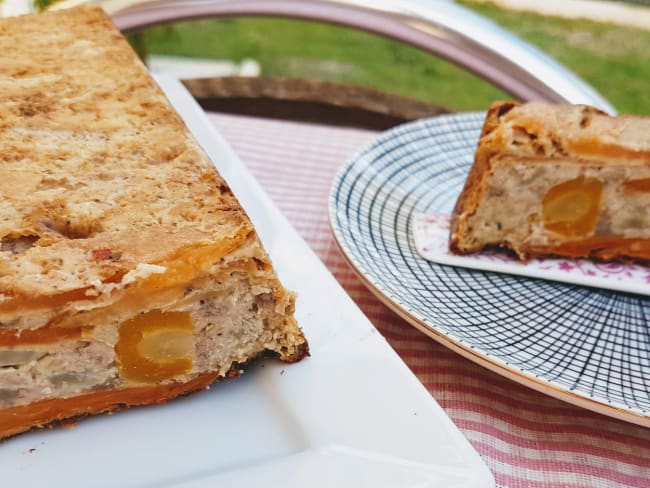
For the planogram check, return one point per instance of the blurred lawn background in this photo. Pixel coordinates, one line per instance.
(613, 59)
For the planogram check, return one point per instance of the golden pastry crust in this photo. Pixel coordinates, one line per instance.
(526, 149)
(113, 219)
(96, 168)
(49, 412)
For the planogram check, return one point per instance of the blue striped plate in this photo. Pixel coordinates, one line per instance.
(587, 346)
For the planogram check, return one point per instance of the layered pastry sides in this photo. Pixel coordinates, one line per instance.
(129, 273)
(557, 180)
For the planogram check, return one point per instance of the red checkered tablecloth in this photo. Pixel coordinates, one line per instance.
(527, 439)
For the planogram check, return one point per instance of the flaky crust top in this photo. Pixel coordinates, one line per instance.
(537, 129)
(97, 172)
(543, 131)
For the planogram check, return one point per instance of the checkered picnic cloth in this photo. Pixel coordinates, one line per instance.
(526, 438)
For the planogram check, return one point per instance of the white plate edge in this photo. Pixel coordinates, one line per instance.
(198, 123)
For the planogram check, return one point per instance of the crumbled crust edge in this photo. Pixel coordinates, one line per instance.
(477, 178)
(52, 415)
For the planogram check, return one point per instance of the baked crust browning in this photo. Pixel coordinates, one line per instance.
(557, 180)
(97, 171)
(129, 272)
(50, 412)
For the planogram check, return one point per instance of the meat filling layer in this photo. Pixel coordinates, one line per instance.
(208, 331)
(543, 204)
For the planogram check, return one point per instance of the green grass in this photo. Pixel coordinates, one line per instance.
(313, 50)
(43, 4)
(615, 60)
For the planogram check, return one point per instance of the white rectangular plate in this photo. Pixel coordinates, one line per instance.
(431, 236)
(352, 414)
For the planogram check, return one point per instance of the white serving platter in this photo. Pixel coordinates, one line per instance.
(352, 414)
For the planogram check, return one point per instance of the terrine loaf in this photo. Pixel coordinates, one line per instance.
(557, 180)
(129, 273)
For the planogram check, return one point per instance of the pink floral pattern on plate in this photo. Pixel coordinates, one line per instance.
(431, 235)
